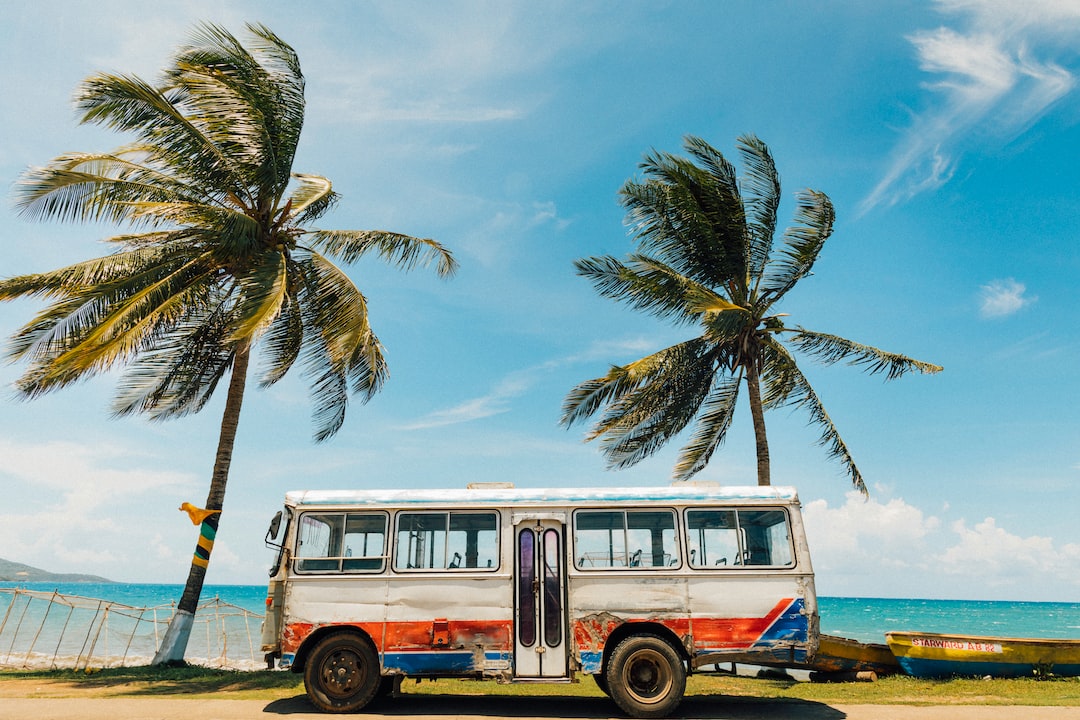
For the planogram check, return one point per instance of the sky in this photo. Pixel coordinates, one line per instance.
(946, 134)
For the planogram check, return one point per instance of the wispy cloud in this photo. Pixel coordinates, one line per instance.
(495, 402)
(999, 298)
(458, 68)
(519, 382)
(64, 493)
(989, 82)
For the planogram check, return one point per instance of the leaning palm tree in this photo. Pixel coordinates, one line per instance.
(221, 260)
(707, 258)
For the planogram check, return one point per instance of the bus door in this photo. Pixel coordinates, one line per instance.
(540, 642)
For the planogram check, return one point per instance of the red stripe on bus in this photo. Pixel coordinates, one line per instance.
(735, 632)
(413, 635)
(590, 633)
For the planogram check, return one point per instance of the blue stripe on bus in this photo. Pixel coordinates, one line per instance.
(444, 661)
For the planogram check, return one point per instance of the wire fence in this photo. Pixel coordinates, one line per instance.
(50, 630)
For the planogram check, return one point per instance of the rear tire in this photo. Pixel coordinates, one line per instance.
(342, 673)
(646, 677)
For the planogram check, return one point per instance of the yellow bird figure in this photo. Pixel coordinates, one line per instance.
(197, 515)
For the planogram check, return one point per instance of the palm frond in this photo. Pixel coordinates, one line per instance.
(97, 186)
(263, 291)
(108, 324)
(781, 371)
(312, 197)
(66, 280)
(368, 369)
(710, 428)
(814, 216)
(830, 349)
(638, 423)
(645, 402)
(647, 284)
(179, 375)
(761, 198)
(170, 137)
(333, 308)
(588, 397)
(260, 93)
(404, 251)
(339, 344)
(282, 342)
(688, 217)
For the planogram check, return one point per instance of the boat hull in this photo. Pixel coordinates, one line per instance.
(931, 655)
(839, 655)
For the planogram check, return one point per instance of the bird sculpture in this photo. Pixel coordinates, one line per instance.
(196, 514)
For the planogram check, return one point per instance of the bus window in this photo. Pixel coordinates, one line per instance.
(625, 539)
(316, 539)
(447, 541)
(334, 542)
(729, 538)
(713, 538)
(365, 542)
(767, 539)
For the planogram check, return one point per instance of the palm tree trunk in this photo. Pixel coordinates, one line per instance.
(174, 643)
(753, 385)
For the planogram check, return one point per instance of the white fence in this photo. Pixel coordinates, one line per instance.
(43, 630)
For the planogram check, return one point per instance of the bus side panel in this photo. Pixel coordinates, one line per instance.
(762, 617)
(601, 602)
(312, 602)
(448, 625)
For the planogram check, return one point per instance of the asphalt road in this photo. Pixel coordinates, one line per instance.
(487, 708)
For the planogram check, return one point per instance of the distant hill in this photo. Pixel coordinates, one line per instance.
(17, 572)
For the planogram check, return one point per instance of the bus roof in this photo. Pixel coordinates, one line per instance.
(503, 496)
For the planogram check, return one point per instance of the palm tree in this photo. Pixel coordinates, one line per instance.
(706, 257)
(221, 260)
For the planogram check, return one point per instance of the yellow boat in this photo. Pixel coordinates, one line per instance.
(841, 655)
(930, 655)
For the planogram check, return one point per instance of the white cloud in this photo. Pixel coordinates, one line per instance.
(863, 536)
(519, 382)
(990, 82)
(70, 507)
(894, 549)
(990, 555)
(999, 298)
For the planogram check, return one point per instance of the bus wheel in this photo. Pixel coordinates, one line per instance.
(646, 677)
(342, 673)
(601, 682)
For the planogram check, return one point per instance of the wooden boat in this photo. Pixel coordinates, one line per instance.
(841, 655)
(930, 655)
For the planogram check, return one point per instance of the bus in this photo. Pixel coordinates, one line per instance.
(637, 587)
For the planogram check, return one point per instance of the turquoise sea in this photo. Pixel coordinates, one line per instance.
(864, 619)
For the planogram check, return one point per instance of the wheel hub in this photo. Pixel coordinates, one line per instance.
(342, 673)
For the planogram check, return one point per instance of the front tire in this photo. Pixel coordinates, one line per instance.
(342, 673)
(646, 677)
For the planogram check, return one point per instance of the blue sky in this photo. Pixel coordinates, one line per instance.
(945, 133)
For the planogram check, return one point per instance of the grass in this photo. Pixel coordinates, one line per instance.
(192, 681)
(148, 681)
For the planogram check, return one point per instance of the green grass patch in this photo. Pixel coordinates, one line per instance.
(895, 690)
(267, 685)
(156, 680)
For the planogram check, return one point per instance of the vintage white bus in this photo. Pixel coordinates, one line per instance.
(637, 587)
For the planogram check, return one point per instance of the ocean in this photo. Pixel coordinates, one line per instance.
(863, 619)
(78, 624)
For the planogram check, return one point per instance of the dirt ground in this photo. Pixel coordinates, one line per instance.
(22, 699)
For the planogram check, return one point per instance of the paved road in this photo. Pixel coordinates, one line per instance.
(489, 708)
